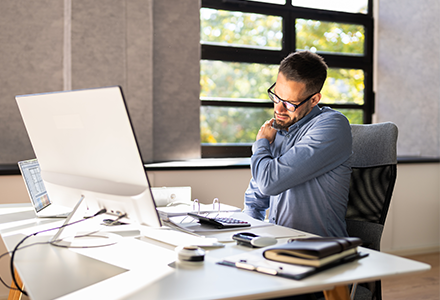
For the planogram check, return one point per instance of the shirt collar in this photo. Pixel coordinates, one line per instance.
(313, 113)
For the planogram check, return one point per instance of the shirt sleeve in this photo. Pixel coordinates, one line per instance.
(324, 145)
(255, 203)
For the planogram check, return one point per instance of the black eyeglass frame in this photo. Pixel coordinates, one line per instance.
(274, 97)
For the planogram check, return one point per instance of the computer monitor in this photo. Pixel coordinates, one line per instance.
(86, 146)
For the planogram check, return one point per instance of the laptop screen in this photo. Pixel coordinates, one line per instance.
(30, 170)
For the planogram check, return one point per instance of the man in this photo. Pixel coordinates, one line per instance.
(300, 163)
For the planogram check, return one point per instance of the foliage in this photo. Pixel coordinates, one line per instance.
(232, 124)
(238, 28)
(236, 80)
(240, 81)
(329, 37)
(344, 86)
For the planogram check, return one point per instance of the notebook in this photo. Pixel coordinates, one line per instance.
(31, 173)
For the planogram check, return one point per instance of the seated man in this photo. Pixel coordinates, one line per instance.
(300, 162)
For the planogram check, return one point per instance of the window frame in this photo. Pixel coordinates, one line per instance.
(289, 14)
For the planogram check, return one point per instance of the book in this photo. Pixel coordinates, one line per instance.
(315, 252)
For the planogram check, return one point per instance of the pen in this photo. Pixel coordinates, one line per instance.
(246, 266)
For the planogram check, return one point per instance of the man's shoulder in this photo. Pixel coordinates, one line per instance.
(328, 123)
(327, 111)
(330, 115)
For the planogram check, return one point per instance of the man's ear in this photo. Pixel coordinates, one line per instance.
(315, 99)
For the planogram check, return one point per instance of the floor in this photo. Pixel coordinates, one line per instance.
(413, 287)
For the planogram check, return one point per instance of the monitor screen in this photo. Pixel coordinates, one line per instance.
(86, 146)
(30, 170)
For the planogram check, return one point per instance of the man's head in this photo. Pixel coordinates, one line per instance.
(301, 76)
(306, 67)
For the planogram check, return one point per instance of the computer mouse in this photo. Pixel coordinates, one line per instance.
(263, 241)
(252, 240)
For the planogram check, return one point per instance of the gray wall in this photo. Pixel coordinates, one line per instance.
(149, 47)
(408, 73)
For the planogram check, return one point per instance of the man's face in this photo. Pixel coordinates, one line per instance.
(293, 92)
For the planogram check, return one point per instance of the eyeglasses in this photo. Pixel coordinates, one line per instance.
(287, 105)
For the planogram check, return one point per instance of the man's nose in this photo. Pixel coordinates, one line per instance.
(279, 107)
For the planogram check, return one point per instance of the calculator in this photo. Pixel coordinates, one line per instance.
(220, 222)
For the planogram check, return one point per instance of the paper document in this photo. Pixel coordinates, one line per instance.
(275, 231)
(181, 209)
(178, 238)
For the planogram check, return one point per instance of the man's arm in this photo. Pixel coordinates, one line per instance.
(325, 145)
(255, 203)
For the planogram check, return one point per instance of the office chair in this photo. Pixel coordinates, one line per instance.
(374, 171)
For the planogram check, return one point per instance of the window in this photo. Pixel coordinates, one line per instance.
(243, 42)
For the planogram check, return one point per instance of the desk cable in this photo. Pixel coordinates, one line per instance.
(17, 247)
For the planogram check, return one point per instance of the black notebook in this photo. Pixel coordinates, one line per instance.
(315, 252)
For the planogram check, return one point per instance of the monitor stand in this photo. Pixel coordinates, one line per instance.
(69, 237)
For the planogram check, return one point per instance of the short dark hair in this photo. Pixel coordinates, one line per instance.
(306, 67)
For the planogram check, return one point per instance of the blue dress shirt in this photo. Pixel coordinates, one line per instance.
(304, 175)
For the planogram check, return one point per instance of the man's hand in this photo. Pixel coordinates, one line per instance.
(267, 132)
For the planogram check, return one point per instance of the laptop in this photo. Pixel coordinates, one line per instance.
(31, 173)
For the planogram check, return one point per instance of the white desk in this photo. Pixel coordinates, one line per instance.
(144, 269)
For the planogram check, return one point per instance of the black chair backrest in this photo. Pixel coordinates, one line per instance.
(374, 172)
(370, 193)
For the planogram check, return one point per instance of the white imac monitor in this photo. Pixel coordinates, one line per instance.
(85, 145)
